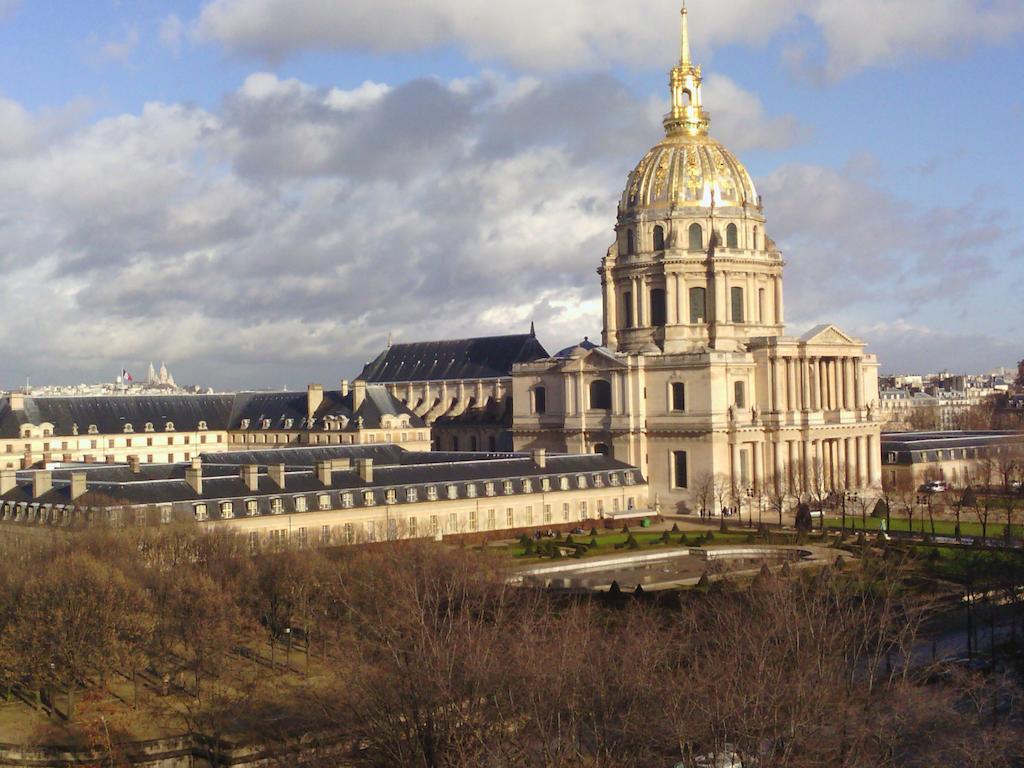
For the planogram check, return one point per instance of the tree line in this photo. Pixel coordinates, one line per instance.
(415, 654)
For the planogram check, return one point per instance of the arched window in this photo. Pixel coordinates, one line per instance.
(455, 443)
(540, 400)
(627, 309)
(696, 237)
(698, 306)
(474, 445)
(659, 238)
(659, 308)
(630, 242)
(687, 98)
(600, 395)
(732, 236)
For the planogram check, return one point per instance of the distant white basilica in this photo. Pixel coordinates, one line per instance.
(697, 383)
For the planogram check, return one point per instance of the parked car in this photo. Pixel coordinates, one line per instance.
(935, 486)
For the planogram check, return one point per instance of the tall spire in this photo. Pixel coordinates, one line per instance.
(684, 46)
(687, 117)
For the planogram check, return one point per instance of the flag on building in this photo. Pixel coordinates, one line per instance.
(125, 376)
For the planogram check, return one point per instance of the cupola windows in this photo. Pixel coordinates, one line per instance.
(659, 238)
(696, 237)
(698, 305)
(600, 395)
(732, 236)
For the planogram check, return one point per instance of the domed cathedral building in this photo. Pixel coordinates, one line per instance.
(697, 382)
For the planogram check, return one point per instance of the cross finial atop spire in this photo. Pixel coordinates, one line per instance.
(684, 45)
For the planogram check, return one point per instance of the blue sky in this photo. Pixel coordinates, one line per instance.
(362, 167)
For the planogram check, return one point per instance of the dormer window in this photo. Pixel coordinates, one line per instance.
(630, 480)
(227, 510)
(93, 430)
(300, 503)
(581, 482)
(169, 426)
(453, 492)
(346, 501)
(368, 499)
(508, 488)
(563, 483)
(432, 493)
(265, 424)
(276, 506)
(489, 489)
(527, 486)
(128, 429)
(545, 484)
(252, 508)
(245, 423)
(200, 512)
(471, 491)
(74, 429)
(411, 495)
(149, 426)
(288, 423)
(202, 426)
(598, 481)
(391, 496)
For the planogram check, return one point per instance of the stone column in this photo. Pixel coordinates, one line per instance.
(671, 299)
(794, 464)
(779, 470)
(758, 454)
(720, 299)
(841, 462)
(874, 461)
(611, 315)
(862, 462)
(805, 464)
(805, 377)
(682, 308)
(848, 386)
(858, 383)
(736, 478)
(776, 385)
(645, 302)
(635, 301)
(780, 315)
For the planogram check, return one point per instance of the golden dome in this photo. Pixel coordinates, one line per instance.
(688, 168)
(688, 171)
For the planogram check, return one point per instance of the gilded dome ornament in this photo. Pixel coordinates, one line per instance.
(688, 168)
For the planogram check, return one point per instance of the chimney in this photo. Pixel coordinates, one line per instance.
(344, 387)
(540, 458)
(314, 399)
(79, 485)
(135, 464)
(111, 458)
(324, 470)
(276, 472)
(365, 469)
(341, 465)
(16, 401)
(358, 395)
(42, 482)
(194, 476)
(251, 477)
(8, 480)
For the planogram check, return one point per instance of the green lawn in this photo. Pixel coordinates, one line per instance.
(969, 526)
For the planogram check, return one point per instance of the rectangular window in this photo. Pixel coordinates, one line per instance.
(390, 496)
(680, 470)
(346, 501)
(432, 493)
(737, 306)
(350, 533)
(529, 515)
(583, 510)
(510, 518)
(165, 515)
(453, 492)
(547, 513)
(276, 506)
(471, 491)
(627, 309)
(324, 501)
(411, 495)
(453, 523)
(741, 394)
(254, 542)
(434, 526)
(489, 489)
(507, 488)
(474, 520)
(303, 537)
(300, 503)
(540, 400)
(200, 510)
(615, 505)
(527, 486)
(744, 469)
(659, 311)
(325, 534)
(227, 510)
(678, 396)
(565, 511)
(368, 499)
(698, 305)
(412, 527)
(545, 484)
(492, 520)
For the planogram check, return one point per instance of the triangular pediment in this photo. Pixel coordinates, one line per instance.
(827, 334)
(600, 358)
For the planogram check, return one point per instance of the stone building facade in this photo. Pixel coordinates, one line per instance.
(331, 495)
(143, 429)
(697, 381)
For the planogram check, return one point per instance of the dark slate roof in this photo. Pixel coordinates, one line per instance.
(586, 345)
(110, 414)
(924, 446)
(284, 407)
(484, 358)
(494, 414)
(423, 469)
(308, 456)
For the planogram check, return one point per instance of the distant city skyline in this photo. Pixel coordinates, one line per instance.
(263, 191)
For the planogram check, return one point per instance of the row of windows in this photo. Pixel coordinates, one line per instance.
(695, 238)
(347, 499)
(698, 307)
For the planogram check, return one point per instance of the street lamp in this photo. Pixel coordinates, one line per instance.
(750, 516)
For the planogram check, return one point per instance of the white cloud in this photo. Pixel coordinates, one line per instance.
(171, 33)
(120, 50)
(539, 35)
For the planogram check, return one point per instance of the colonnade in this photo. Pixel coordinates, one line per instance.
(762, 300)
(810, 464)
(817, 384)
